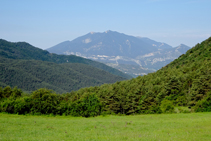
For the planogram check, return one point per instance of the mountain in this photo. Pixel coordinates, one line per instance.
(162, 57)
(31, 68)
(133, 70)
(118, 48)
(185, 83)
(23, 50)
(108, 43)
(158, 45)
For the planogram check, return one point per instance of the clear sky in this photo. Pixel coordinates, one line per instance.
(45, 23)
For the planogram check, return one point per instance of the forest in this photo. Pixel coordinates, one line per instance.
(31, 68)
(30, 75)
(25, 51)
(185, 82)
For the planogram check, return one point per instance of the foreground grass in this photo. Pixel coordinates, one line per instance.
(194, 126)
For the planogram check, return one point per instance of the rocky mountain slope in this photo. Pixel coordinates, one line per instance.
(118, 48)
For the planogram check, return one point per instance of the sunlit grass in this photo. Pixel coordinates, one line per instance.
(192, 126)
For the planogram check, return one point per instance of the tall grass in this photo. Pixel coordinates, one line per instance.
(192, 126)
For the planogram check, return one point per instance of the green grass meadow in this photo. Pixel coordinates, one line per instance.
(191, 126)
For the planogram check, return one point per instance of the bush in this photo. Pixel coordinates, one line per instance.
(22, 105)
(44, 101)
(154, 110)
(8, 92)
(167, 106)
(88, 106)
(7, 106)
(16, 92)
(204, 105)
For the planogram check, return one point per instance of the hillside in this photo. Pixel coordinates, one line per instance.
(22, 50)
(184, 82)
(30, 75)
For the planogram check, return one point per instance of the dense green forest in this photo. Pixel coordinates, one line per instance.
(23, 50)
(31, 68)
(184, 82)
(30, 75)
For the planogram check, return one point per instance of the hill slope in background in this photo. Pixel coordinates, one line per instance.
(31, 68)
(22, 50)
(30, 75)
(117, 48)
(184, 82)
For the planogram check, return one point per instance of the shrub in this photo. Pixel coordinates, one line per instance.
(87, 106)
(7, 92)
(204, 105)
(7, 106)
(181, 101)
(16, 92)
(154, 110)
(22, 105)
(167, 106)
(44, 101)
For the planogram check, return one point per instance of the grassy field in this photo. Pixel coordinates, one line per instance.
(192, 126)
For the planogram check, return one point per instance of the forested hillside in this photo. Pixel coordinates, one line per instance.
(30, 75)
(23, 50)
(184, 82)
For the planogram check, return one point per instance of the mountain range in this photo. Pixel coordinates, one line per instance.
(182, 86)
(116, 49)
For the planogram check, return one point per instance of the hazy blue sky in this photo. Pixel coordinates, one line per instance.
(45, 23)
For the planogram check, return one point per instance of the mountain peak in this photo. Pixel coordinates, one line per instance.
(107, 31)
(110, 31)
(183, 45)
(92, 32)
